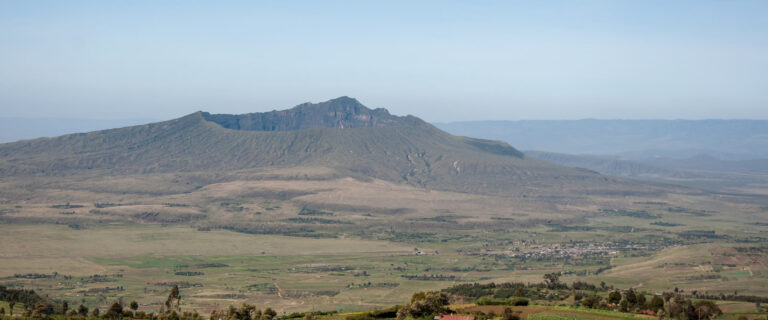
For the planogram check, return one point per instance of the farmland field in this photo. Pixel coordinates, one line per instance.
(301, 239)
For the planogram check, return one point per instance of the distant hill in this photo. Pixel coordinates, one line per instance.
(341, 134)
(702, 171)
(635, 139)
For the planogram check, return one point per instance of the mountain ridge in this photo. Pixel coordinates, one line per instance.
(406, 150)
(342, 112)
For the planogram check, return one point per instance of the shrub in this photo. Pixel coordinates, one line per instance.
(519, 301)
(487, 301)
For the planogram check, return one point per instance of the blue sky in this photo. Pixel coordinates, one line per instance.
(441, 60)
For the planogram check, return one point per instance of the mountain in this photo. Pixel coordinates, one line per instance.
(634, 139)
(340, 134)
(343, 112)
(14, 129)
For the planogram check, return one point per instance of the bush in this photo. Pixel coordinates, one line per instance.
(519, 301)
(590, 302)
(487, 301)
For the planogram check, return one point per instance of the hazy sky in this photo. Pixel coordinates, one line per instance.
(442, 60)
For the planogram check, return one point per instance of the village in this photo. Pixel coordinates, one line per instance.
(525, 249)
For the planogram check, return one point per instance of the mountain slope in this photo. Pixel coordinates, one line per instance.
(341, 134)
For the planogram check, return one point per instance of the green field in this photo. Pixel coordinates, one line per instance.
(323, 243)
(217, 268)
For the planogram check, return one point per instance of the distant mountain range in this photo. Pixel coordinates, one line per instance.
(341, 134)
(717, 155)
(702, 171)
(633, 139)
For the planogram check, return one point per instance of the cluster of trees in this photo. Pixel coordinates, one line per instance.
(40, 308)
(33, 303)
(421, 305)
(424, 304)
(667, 305)
(519, 289)
(488, 301)
(244, 312)
(625, 302)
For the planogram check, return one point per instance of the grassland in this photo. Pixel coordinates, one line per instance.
(228, 238)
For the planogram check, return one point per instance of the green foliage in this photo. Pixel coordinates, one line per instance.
(115, 311)
(519, 301)
(387, 313)
(614, 297)
(41, 305)
(552, 280)
(656, 304)
(174, 298)
(516, 301)
(486, 301)
(592, 302)
(424, 304)
(82, 310)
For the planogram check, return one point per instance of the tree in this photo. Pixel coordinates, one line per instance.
(614, 297)
(174, 299)
(590, 302)
(95, 313)
(631, 297)
(134, 305)
(12, 302)
(706, 309)
(676, 307)
(269, 313)
(245, 312)
(64, 307)
(2, 311)
(115, 311)
(656, 304)
(552, 279)
(641, 302)
(424, 304)
(82, 310)
(40, 310)
(624, 305)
